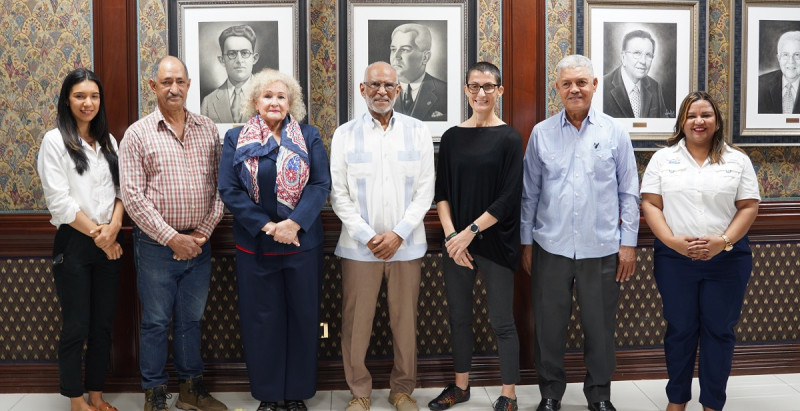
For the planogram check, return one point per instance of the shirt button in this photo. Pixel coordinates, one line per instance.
(576, 231)
(577, 175)
(602, 244)
(576, 213)
(577, 156)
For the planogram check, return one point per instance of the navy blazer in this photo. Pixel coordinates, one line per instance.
(770, 94)
(249, 217)
(617, 104)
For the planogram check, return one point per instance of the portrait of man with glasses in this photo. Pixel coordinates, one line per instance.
(238, 55)
(777, 90)
(628, 90)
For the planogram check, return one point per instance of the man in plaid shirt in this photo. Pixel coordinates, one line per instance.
(168, 171)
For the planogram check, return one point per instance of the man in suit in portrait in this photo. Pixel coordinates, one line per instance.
(237, 44)
(628, 91)
(777, 90)
(423, 96)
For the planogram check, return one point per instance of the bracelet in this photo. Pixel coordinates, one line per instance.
(453, 234)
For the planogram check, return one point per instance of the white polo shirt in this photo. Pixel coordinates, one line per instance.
(699, 200)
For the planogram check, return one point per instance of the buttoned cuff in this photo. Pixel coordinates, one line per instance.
(628, 239)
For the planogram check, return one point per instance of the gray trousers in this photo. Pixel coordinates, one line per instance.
(552, 279)
(459, 282)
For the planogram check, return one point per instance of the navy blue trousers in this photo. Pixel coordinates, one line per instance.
(279, 298)
(702, 304)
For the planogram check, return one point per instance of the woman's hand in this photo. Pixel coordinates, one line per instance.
(113, 251)
(285, 232)
(688, 246)
(711, 246)
(457, 248)
(105, 234)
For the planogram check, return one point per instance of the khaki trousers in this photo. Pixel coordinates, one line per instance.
(361, 283)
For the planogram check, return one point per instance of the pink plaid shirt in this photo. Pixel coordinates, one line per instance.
(170, 185)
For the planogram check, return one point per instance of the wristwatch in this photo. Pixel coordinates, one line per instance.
(474, 229)
(728, 244)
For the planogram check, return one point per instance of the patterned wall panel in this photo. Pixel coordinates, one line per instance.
(41, 41)
(30, 314)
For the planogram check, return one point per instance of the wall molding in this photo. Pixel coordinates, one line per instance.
(31, 234)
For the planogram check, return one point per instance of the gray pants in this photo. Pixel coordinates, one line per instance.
(552, 280)
(459, 282)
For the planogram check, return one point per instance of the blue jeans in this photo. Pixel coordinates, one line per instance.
(167, 286)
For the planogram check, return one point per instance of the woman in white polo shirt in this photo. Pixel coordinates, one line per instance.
(700, 196)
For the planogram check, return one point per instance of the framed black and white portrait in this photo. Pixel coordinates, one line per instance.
(429, 44)
(647, 56)
(224, 43)
(771, 70)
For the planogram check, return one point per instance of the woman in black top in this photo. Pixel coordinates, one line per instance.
(478, 192)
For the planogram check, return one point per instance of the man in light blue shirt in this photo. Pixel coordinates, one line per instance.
(579, 225)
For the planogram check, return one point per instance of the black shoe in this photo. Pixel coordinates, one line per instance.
(268, 406)
(549, 404)
(602, 406)
(295, 405)
(451, 396)
(505, 404)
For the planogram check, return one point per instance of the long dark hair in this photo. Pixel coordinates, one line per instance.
(98, 127)
(717, 141)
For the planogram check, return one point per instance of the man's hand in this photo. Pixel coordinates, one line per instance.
(627, 263)
(186, 246)
(384, 246)
(527, 258)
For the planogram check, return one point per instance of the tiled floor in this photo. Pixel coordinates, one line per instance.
(779, 392)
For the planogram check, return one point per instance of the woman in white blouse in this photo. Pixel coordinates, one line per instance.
(700, 196)
(78, 167)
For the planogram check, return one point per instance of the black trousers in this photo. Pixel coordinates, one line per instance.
(87, 284)
(552, 280)
(459, 283)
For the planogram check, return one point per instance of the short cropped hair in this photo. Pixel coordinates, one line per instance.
(422, 34)
(575, 61)
(237, 31)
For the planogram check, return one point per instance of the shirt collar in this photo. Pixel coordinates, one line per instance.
(590, 117)
(367, 118)
(794, 84)
(628, 81)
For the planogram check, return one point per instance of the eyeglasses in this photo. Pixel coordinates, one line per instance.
(785, 56)
(231, 54)
(637, 55)
(376, 85)
(488, 88)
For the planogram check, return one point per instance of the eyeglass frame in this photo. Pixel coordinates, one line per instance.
(633, 54)
(376, 85)
(785, 56)
(481, 87)
(231, 55)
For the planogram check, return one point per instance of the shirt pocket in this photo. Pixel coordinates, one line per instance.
(727, 178)
(603, 162)
(673, 178)
(555, 165)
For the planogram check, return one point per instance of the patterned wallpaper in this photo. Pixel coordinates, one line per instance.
(41, 42)
(43, 39)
